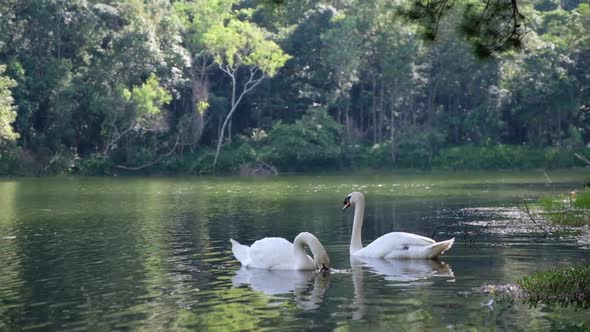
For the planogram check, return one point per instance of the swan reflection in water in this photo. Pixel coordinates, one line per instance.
(405, 271)
(276, 282)
(402, 272)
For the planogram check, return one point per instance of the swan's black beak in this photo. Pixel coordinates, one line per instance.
(324, 268)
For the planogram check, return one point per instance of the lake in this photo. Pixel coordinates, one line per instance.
(154, 254)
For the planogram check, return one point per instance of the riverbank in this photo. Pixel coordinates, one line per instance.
(568, 286)
(243, 157)
(567, 214)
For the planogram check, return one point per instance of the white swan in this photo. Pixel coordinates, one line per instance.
(275, 253)
(391, 245)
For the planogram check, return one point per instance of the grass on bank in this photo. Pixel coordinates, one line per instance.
(566, 286)
(571, 209)
(570, 285)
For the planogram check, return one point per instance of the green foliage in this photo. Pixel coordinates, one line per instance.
(147, 99)
(243, 43)
(571, 209)
(200, 162)
(122, 79)
(198, 17)
(309, 143)
(9, 160)
(416, 148)
(94, 165)
(490, 27)
(566, 286)
(506, 157)
(582, 200)
(356, 156)
(7, 109)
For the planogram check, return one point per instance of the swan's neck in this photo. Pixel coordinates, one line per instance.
(355, 241)
(300, 255)
(303, 239)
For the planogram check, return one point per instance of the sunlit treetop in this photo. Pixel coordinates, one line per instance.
(240, 42)
(7, 110)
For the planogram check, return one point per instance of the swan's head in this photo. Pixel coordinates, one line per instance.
(322, 261)
(352, 198)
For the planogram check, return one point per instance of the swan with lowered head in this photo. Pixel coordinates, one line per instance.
(275, 253)
(391, 245)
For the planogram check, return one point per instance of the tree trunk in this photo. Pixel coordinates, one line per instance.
(347, 118)
(250, 84)
(381, 113)
(392, 127)
(361, 113)
(374, 109)
(229, 131)
(200, 95)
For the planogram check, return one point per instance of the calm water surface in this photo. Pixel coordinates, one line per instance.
(153, 253)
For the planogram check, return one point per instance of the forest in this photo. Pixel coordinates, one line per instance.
(100, 87)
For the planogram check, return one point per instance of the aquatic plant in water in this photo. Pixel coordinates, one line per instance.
(566, 286)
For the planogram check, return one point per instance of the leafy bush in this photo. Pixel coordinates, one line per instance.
(356, 156)
(506, 157)
(416, 148)
(9, 155)
(94, 165)
(568, 209)
(306, 144)
(21, 162)
(239, 152)
(568, 286)
(582, 200)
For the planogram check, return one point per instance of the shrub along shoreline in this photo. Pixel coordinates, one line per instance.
(568, 286)
(563, 286)
(292, 155)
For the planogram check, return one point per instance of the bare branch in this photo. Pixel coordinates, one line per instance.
(135, 168)
(582, 158)
(528, 211)
(111, 141)
(472, 242)
(248, 86)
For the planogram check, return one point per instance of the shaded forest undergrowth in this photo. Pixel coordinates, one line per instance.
(245, 156)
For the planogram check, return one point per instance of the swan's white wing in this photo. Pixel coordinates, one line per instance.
(412, 239)
(394, 242)
(272, 253)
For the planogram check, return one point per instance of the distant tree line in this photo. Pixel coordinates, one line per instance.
(191, 87)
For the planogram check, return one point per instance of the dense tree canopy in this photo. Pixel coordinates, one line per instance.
(99, 85)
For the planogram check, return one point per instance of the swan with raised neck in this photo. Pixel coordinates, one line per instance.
(391, 245)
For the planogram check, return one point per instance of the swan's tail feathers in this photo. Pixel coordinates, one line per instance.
(439, 248)
(240, 251)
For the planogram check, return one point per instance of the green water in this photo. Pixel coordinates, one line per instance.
(149, 254)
